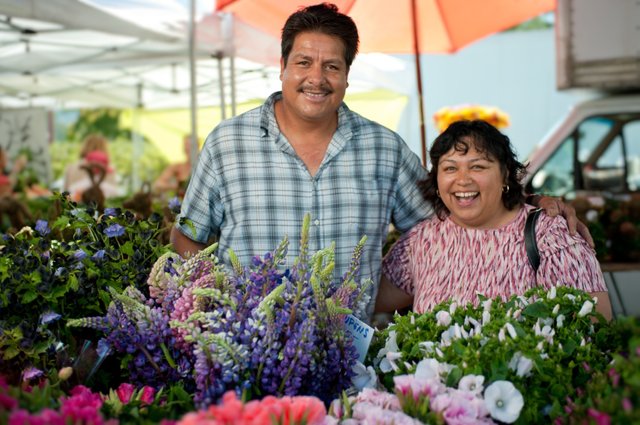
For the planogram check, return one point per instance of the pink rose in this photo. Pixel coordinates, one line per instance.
(147, 394)
(125, 392)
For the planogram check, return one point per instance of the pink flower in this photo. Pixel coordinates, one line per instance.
(627, 405)
(599, 417)
(303, 408)
(125, 392)
(615, 377)
(147, 394)
(82, 407)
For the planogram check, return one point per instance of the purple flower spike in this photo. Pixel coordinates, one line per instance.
(31, 373)
(49, 317)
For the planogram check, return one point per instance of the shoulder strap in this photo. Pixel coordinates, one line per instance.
(530, 238)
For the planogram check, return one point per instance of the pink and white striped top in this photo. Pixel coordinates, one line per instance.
(438, 260)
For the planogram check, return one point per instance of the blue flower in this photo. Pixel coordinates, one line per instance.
(49, 317)
(114, 231)
(99, 255)
(42, 227)
(110, 212)
(31, 373)
(175, 204)
(80, 255)
(59, 271)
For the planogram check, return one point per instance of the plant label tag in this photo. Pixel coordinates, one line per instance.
(361, 334)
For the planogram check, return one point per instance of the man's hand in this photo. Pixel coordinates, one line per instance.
(554, 206)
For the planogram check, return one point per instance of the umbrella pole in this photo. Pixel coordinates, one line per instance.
(416, 55)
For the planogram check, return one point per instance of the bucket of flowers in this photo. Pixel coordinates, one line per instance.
(257, 330)
(508, 361)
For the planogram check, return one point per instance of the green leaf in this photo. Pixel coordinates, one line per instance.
(537, 309)
(29, 296)
(10, 353)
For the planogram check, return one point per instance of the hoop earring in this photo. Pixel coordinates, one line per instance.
(505, 188)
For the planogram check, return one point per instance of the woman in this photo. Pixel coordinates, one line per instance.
(93, 153)
(474, 243)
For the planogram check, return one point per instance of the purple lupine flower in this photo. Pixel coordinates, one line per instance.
(114, 231)
(42, 227)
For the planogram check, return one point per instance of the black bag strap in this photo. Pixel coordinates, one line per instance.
(530, 238)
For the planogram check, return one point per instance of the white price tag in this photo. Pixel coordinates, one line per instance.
(361, 334)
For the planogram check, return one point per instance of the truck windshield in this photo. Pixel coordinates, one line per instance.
(601, 155)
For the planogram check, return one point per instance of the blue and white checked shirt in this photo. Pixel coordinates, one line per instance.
(250, 189)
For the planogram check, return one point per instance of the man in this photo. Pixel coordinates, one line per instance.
(304, 151)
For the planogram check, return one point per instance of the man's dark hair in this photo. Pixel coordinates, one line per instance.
(323, 18)
(485, 138)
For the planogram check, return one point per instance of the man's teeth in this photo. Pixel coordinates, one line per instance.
(466, 194)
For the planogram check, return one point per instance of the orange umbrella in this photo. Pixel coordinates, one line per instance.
(403, 26)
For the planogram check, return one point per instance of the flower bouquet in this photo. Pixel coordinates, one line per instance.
(512, 361)
(449, 114)
(257, 329)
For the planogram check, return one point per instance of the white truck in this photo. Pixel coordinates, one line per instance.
(596, 147)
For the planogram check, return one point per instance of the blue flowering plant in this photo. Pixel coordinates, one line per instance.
(46, 269)
(518, 360)
(260, 329)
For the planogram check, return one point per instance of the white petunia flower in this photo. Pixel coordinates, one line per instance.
(428, 369)
(587, 308)
(486, 305)
(521, 364)
(413, 319)
(560, 321)
(388, 362)
(552, 293)
(452, 308)
(427, 347)
(443, 318)
(501, 335)
(556, 309)
(472, 383)
(365, 377)
(570, 297)
(503, 401)
(511, 330)
(486, 317)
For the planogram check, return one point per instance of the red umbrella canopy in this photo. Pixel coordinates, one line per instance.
(386, 26)
(403, 26)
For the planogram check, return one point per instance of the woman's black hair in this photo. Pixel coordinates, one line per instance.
(485, 138)
(323, 18)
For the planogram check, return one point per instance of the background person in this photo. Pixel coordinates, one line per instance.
(175, 177)
(93, 152)
(475, 242)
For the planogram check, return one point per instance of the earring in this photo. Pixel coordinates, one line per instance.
(437, 193)
(505, 188)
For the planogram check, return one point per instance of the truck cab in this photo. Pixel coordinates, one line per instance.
(596, 148)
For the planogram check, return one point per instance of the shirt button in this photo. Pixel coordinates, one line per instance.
(317, 222)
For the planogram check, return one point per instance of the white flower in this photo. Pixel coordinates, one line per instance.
(560, 320)
(365, 377)
(503, 401)
(552, 293)
(521, 364)
(390, 345)
(587, 308)
(501, 335)
(452, 308)
(591, 216)
(486, 305)
(472, 383)
(428, 369)
(570, 297)
(427, 347)
(486, 317)
(556, 309)
(388, 363)
(443, 318)
(511, 330)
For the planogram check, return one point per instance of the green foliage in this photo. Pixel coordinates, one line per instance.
(557, 333)
(66, 267)
(98, 121)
